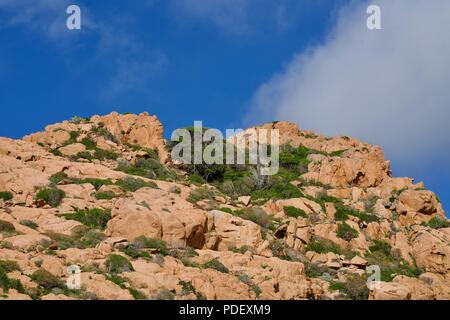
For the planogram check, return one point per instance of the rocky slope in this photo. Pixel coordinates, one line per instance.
(102, 194)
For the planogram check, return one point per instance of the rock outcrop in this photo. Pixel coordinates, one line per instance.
(101, 196)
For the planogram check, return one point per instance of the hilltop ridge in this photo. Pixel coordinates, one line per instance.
(102, 193)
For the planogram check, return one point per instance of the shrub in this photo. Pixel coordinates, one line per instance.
(82, 237)
(294, 212)
(346, 232)
(216, 265)
(101, 131)
(46, 279)
(82, 155)
(313, 270)
(7, 228)
(94, 218)
(438, 223)
(97, 183)
(256, 289)
(323, 246)
(147, 168)
(52, 196)
(390, 264)
(137, 295)
(107, 195)
(165, 294)
(89, 143)
(73, 138)
(6, 283)
(101, 154)
(29, 224)
(5, 195)
(257, 215)
(381, 246)
(227, 210)
(152, 243)
(201, 193)
(134, 184)
(117, 264)
(58, 177)
(355, 287)
(279, 190)
(56, 152)
(9, 266)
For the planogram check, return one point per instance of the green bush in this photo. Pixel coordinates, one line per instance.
(216, 265)
(101, 131)
(137, 295)
(107, 195)
(390, 264)
(6, 283)
(147, 168)
(52, 196)
(279, 190)
(294, 212)
(46, 280)
(314, 270)
(89, 143)
(7, 228)
(29, 224)
(5, 195)
(101, 154)
(200, 193)
(438, 223)
(73, 138)
(152, 243)
(133, 184)
(82, 237)
(256, 215)
(94, 218)
(58, 177)
(346, 232)
(97, 183)
(354, 288)
(381, 246)
(117, 264)
(323, 246)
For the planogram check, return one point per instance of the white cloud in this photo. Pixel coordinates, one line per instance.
(241, 17)
(389, 87)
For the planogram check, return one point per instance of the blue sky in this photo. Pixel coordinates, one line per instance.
(182, 60)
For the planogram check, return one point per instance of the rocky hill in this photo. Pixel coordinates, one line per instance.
(103, 194)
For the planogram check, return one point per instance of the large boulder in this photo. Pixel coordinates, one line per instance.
(226, 231)
(157, 214)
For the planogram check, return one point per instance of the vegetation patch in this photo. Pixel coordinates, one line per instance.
(46, 280)
(6, 283)
(390, 263)
(346, 232)
(355, 288)
(29, 224)
(52, 196)
(294, 212)
(117, 264)
(216, 265)
(134, 184)
(438, 223)
(6, 195)
(82, 238)
(93, 218)
(7, 229)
